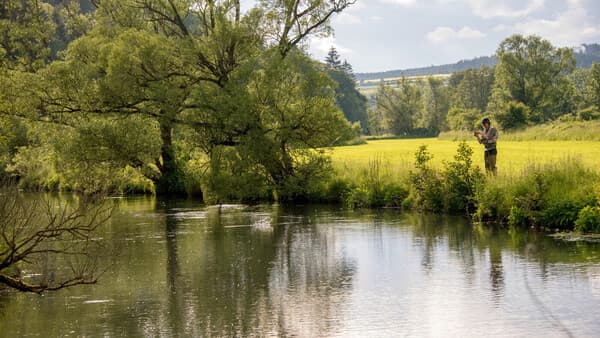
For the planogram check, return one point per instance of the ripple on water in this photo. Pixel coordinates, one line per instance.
(97, 301)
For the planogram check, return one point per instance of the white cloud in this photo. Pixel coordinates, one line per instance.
(319, 46)
(443, 34)
(347, 19)
(570, 28)
(351, 15)
(405, 3)
(356, 7)
(376, 18)
(492, 8)
(500, 28)
(500, 9)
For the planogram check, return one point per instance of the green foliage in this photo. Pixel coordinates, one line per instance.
(533, 72)
(471, 89)
(549, 197)
(13, 135)
(290, 114)
(588, 220)
(95, 155)
(461, 180)
(298, 114)
(453, 190)
(588, 114)
(399, 107)
(349, 99)
(494, 202)
(464, 119)
(158, 66)
(371, 187)
(26, 30)
(560, 212)
(337, 190)
(234, 178)
(333, 59)
(426, 184)
(435, 106)
(514, 116)
(592, 86)
(560, 130)
(517, 216)
(33, 166)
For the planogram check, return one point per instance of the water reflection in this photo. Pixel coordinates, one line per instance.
(189, 270)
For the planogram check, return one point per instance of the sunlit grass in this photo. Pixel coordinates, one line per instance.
(396, 156)
(551, 131)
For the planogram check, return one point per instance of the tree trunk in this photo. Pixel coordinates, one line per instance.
(171, 180)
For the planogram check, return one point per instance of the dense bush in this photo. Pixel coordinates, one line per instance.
(426, 192)
(551, 197)
(514, 116)
(588, 219)
(463, 119)
(588, 114)
(461, 180)
(452, 190)
(373, 188)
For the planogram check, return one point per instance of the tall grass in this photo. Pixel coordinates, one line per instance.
(553, 195)
(549, 196)
(377, 184)
(398, 154)
(552, 131)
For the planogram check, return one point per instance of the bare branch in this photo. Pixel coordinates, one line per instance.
(35, 227)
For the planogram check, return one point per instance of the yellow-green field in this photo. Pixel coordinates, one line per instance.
(397, 155)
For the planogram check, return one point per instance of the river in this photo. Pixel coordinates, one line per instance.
(185, 269)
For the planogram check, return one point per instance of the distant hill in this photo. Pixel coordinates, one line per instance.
(585, 56)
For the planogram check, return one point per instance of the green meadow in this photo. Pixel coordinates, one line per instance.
(397, 155)
(548, 184)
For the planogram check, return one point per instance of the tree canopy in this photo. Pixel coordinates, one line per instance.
(533, 72)
(191, 77)
(349, 99)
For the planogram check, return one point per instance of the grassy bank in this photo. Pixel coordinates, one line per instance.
(397, 156)
(550, 185)
(547, 184)
(553, 131)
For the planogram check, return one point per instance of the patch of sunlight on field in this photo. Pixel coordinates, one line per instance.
(513, 156)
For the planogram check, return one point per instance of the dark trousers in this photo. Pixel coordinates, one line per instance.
(490, 161)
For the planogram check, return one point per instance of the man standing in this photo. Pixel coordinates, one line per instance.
(488, 137)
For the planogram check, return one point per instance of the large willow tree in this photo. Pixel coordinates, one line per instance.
(230, 81)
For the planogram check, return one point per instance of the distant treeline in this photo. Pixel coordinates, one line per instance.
(584, 58)
(532, 83)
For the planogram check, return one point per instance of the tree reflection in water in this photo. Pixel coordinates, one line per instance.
(191, 270)
(261, 271)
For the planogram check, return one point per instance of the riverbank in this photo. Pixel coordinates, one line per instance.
(549, 185)
(545, 184)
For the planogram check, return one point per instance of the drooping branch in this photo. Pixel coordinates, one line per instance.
(31, 229)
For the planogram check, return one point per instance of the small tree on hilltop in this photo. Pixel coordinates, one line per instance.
(333, 58)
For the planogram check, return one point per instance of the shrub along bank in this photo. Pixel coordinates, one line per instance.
(561, 196)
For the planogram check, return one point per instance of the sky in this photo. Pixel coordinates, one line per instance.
(380, 35)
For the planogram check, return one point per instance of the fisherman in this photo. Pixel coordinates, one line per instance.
(488, 137)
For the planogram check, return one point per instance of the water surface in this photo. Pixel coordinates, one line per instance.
(189, 270)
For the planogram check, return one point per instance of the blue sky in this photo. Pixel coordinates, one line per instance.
(378, 35)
